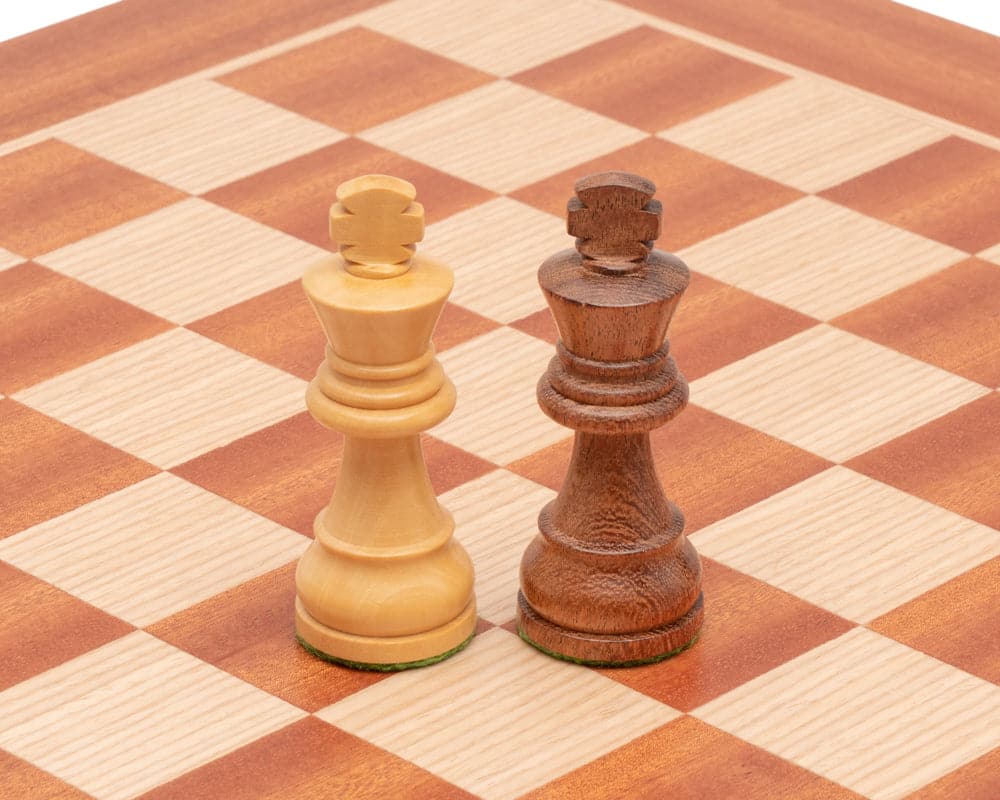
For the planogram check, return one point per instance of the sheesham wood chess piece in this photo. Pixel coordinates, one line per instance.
(611, 578)
(384, 585)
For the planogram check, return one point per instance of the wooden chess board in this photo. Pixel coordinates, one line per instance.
(830, 172)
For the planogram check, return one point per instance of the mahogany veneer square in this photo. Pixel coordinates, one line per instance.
(540, 324)
(278, 327)
(48, 468)
(953, 461)
(977, 780)
(750, 628)
(716, 324)
(949, 191)
(52, 323)
(701, 196)
(52, 194)
(958, 622)
(377, 78)
(690, 759)
(295, 197)
(284, 472)
(23, 779)
(44, 626)
(305, 761)
(249, 631)
(648, 78)
(950, 319)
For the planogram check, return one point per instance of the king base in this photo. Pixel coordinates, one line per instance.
(385, 654)
(609, 650)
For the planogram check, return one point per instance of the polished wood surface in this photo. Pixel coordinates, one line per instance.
(384, 583)
(611, 577)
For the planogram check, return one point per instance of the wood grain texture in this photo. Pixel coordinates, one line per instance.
(249, 632)
(192, 545)
(472, 718)
(718, 324)
(377, 77)
(48, 468)
(33, 642)
(953, 461)
(880, 547)
(498, 418)
(452, 135)
(950, 319)
(500, 38)
(53, 323)
(185, 261)
(384, 581)
(295, 763)
(977, 780)
(900, 393)
(819, 258)
(197, 134)
(610, 577)
(23, 779)
(740, 613)
(52, 194)
(690, 759)
(648, 78)
(955, 622)
(702, 196)
(948, 191)
(888, 705)
(294, 197)
(882, 47)
(211, 395)
(806, 133)
(132, 714)
(91, 60)
(458, 240)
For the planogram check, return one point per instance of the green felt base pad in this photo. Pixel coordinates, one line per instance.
(424, 662)
(585, 663)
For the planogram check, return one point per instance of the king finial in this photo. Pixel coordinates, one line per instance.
(615, 219)
(377, 223)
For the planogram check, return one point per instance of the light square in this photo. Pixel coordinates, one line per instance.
(152, 548)
(482, 135)
(502, 38)
(867, 712)
(8, 259)
(819, 258)
(495, 518)
(879, 547)
(805, 133)
(472, 719)
(186, 261)
(832, 393)
(169, 398)
(196, 135)
(521, 238)
(497, 416)
(133, 714)
(992, 254)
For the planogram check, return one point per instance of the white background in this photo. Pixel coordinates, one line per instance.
(21, 16)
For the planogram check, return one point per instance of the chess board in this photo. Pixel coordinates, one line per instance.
(831, 174)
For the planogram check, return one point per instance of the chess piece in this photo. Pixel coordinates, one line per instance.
(611, 578)
(384, 585)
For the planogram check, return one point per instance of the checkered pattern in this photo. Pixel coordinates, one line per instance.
(837, 465)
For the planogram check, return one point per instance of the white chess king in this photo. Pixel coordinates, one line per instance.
(384, 585)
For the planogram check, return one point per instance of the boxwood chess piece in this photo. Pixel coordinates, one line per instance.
(611, 578)
(384, 585)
